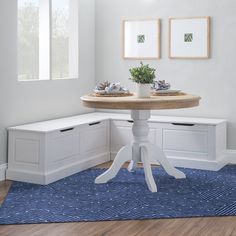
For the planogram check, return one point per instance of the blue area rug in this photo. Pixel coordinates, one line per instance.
(126, 197)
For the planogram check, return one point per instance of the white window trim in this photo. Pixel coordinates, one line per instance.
(45, 29)
(74, 39)
(45, 39)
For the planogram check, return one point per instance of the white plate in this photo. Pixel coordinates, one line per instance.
(168, 91)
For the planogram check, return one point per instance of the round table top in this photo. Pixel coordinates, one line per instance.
(134, 103)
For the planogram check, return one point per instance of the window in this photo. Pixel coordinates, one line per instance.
(47, 39)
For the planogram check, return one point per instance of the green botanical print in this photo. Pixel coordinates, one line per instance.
(141, 38)
(188, 38)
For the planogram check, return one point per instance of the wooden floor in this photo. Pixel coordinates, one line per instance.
(222, 226)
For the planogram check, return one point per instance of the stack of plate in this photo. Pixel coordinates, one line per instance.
(167, 92)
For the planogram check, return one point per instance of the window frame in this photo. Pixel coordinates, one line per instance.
(45, 42)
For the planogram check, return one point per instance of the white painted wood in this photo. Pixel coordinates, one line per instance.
(145, 157)
(231, 157)
(185, 140)
(26, 150)
(197, 142)
(57, 124)
(159, 155)
(201, 164)
(40, 157)
(220, 140)
(26, 156)
(75, 167)
(94, 137)
(186, 120)
(206, 142)
(140, 131)
(57, 173)
(62, 147)
(124, 155)
(41, 148)
(121, 133)
(27, 176)
(3, 169)
(132, 165)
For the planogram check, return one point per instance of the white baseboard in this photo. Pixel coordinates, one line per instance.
(3, 169)
(198, 163)
(76, 167)
(56, 175)
(49, 177)
(231, 156)
(193, 163)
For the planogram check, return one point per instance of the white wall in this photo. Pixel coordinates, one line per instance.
(214, 79)
(22, 102)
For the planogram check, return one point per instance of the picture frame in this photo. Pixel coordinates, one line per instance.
(141, 39)
(189, 38)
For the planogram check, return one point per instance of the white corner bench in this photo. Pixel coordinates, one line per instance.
(47, 151)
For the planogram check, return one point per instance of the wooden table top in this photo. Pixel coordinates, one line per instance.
(134, 103)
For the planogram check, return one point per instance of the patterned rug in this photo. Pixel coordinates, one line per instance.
(126, 197)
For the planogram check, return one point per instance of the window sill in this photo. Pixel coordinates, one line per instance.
(40, 80)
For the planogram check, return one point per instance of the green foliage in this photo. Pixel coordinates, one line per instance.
(60, 44)
(143, 74)
(28, 41)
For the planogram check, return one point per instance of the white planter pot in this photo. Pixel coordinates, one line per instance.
(143, 90)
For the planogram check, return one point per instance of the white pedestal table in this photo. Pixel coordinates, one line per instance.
(140, 149)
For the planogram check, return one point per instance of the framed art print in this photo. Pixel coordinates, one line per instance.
(141, 39)
(189, 38)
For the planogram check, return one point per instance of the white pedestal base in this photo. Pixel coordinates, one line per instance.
(140, 150)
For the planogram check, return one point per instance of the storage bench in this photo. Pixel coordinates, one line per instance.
(187, 142)
(47, 151)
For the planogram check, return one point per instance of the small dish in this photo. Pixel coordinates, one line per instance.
(168, 91)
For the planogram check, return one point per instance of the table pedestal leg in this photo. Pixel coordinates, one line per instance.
(145, 157)
(140, 150)
(124, 155)
(135, 157)
(159, 156)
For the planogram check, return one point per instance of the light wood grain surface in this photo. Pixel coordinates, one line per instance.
(134, 103)
(214, 226)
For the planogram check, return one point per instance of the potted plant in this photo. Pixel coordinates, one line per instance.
(143, 76)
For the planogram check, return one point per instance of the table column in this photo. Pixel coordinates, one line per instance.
(140, 150)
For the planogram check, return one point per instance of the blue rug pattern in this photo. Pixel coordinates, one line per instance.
(126, 197)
